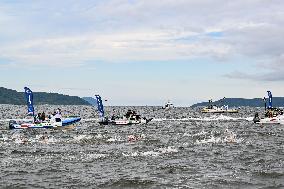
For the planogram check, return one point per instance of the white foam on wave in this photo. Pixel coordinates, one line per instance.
(4, 138)
(96, 156)
(154, 153)
(196, 134)
(135, 138)
(99, 136)
(173, 119)
(158, 119)
(114, 139)
(210, 140)
(249, 118)
(160, 151)
(211, 118)
(169, 149)
(18, 139)
(225, 118)
(46, 139)
(226, 137)
(150, 153)
(186, 135)
(84, 157)
(200, 133)
(133, 154)
(82, 137)
(21, 139)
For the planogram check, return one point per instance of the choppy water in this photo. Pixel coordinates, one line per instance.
(180, 148)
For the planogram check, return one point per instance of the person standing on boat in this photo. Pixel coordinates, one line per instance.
(37, 118)
(58, 111)
(210, 105)
(58, 115)
(43, 116)
(113, 117)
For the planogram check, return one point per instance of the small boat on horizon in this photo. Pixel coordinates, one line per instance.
(212, 108)
(168, 105)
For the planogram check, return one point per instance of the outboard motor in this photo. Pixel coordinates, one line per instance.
(11, 124)
(256, 118)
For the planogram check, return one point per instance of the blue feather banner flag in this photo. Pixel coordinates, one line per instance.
(270, 99)
(100, 105)
(29, 99)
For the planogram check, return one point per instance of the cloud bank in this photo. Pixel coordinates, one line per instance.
(71, 33)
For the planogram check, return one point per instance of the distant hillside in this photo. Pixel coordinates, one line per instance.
(8, 96)
(90, 100)
(238, 102)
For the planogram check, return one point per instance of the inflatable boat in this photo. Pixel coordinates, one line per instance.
(66, 123)
(41, 122)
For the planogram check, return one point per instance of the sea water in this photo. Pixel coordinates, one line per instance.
(179, 148)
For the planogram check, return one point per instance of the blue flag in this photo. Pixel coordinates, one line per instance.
(270, 99)
(29, 99)
(100, 105)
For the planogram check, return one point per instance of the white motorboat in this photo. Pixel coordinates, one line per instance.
(211, 108)
(168, 105)
(131, 117)
(272, 115)
(55, 122)
(216, 109)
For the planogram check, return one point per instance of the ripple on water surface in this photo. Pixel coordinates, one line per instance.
(178, 149)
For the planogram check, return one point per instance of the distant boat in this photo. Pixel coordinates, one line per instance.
(272, 115)
(130, 118)
(211, 108)
(168, 105)
(55, 122)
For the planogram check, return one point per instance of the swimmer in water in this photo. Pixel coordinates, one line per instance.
(133, 138)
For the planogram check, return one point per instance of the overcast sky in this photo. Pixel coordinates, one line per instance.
(144, 52)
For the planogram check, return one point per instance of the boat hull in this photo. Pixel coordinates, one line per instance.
(125, 122)
(65, 124)
(269, 120)
(273, 120)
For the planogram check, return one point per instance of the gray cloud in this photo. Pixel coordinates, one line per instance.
(143, 30)
(269, 76)
(270, 68)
